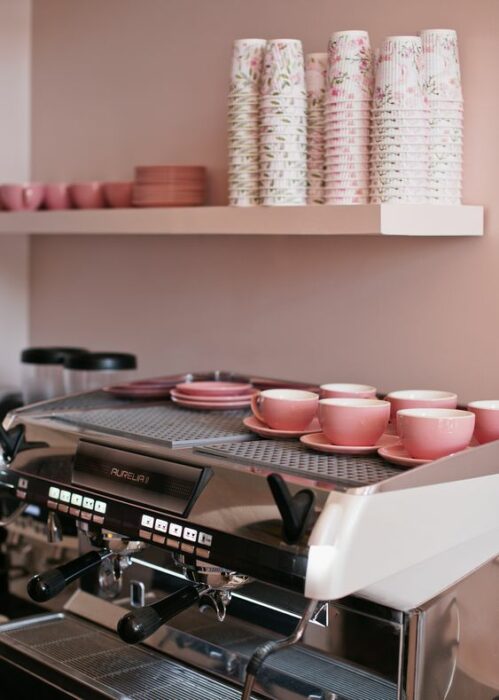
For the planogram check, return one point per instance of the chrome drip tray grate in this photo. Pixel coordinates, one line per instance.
(294, 457)
(91, 658)
(81, 402)
(166, 423)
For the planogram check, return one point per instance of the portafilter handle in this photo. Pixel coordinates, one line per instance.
(43, 587)
(139, 624)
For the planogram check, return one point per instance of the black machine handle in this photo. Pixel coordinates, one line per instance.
(142, 622)
(295, 510)
(43, 587)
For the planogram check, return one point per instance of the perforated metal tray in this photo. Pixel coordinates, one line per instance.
(292, 456)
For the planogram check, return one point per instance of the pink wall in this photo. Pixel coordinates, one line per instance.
(120, 82)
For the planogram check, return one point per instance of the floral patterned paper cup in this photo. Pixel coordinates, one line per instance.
(398, 74)
(441, 70)
(283, 69)
(350, 66)
(247, 65)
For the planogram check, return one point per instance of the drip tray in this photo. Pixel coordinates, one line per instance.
(292, 456)
(86, 662)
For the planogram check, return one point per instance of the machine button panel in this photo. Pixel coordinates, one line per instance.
(190, 534)
(204, 538)
(145, 535)
(159, 539)
(99, 519)
(76, 499)
(161, 525)
(175, 530)
(22, 484)
(52, 504)
(187, 548)
(75, 512)
(88, 503)
(147, 521)
(63, 508)
(85, 515)
(172, 543)
(54, 493)
(204, 553)
(100, 507)
(65, 496)
(20, 494)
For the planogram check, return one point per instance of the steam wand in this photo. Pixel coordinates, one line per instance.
(262, 652)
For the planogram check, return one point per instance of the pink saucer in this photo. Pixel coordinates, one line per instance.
(213, 388)
(212, 404)
(260, 428)
(138, 392)
(214, 398)
(318, 441)
(397, 454)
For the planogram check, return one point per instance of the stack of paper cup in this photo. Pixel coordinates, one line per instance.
(347, 113)
(442, 84)
(400, 126)
(246, 72)
(283, 125)
(315, 80)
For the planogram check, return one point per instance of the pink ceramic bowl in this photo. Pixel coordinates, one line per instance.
(348, 391)
(118, 194)
(285, 409)
(353, 422)
(87, 195)
(22, 197)
(431, 433)
(486, 420)
(57, 196)
(419, 398)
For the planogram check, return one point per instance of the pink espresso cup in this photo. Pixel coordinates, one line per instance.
(87, 195)
(419, 398)
(118, 195)
(431, 433)
(57, 196)
(486, 420)
(285, 409)
(348, 391)
(353, 422)
(26, 197)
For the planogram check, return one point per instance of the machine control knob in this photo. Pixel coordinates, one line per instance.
(295, 510)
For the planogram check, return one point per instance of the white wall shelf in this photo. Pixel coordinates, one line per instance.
(368, 220)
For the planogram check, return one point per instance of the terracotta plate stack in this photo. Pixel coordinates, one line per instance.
(213, 395)
(169, 186)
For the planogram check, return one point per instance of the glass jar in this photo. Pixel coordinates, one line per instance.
(42, 372)
(94, 370)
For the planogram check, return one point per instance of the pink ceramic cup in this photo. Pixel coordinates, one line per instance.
(486, 420)
(285, 409)
(87, 195)
(348, 391)
(431, 433)
(353, 422)
(25, 197)
(118, 194)
(419, 398)
(57, 196)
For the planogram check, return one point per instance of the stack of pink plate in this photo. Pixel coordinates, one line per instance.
(213, 395)
(347, 114)
(169, 186)
(142, 389)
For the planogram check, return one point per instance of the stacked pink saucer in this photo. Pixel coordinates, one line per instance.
(315, 80)
(213, 395)
(400, 129)
(283, 125)
(347, 113)
(169, 186)
(243, 122)
(442, 84)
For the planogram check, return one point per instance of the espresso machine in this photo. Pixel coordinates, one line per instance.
(213, 564)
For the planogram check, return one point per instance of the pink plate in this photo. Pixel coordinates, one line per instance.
(260, 428)
(212, 404)
(214, 398)
(318, 441)
(397, 454)
(213, 388)
(140, 392)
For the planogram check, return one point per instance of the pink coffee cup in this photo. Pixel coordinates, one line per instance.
(118, 194)
(353, 422)
(87, 195)
(431, 433)
(285, 409)
(25, 197)
(486, 420)
(419, 398)
(57, 196)
(348, 391)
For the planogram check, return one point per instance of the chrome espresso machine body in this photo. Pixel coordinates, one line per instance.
(238, 561)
